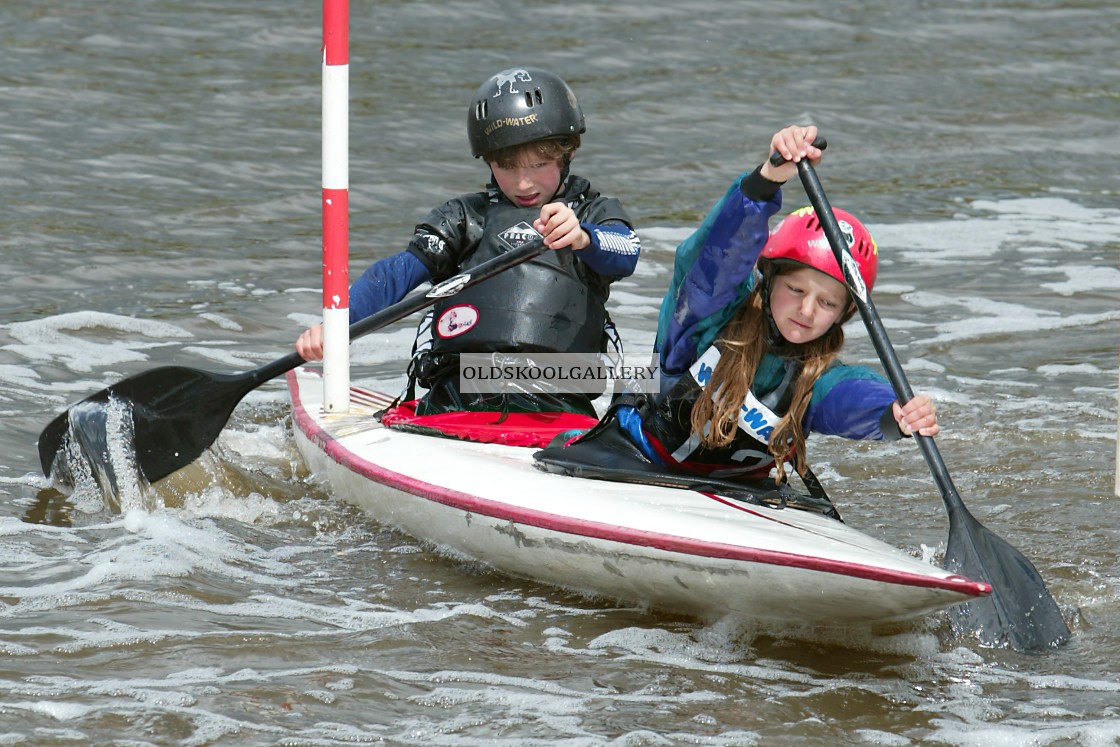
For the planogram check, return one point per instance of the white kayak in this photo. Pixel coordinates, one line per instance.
(684, 551)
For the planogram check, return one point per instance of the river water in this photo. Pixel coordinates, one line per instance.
(159, 180)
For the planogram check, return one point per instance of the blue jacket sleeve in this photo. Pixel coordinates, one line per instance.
(713, 271)
(852, 402)
(384, 283)
(614, 249)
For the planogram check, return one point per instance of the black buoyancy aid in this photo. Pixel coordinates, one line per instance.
(544, 305)
(669, 420)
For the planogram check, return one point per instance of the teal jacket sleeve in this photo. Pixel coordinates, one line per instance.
(713, 270)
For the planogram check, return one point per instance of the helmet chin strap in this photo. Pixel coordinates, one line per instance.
(565, 168)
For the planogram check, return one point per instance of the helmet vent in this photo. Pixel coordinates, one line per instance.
(533, 98)
(480, 110)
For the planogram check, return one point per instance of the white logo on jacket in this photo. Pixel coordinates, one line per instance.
(518, 235)
(456, 321)
(755, 418)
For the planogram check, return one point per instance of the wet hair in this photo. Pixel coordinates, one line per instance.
(744, 343)
(549, 149)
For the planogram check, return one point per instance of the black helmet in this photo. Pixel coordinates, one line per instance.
(521, 105)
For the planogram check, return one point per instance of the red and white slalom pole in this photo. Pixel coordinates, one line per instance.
(336, 205)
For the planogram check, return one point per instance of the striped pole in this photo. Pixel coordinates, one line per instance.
(336, 203)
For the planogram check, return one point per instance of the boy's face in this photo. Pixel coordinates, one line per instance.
(531, 181)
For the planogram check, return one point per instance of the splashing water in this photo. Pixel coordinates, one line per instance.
(99, 459)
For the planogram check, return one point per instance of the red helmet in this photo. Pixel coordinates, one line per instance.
(800, 238)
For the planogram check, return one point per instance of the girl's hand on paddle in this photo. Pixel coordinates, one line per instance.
(560, 227)
(310, 344)
(794, 143)
(918, 415)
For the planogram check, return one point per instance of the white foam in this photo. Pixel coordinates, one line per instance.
(27, 378)
(47, 339)
(1009, 325)
(976, 733)
(218, 502)
(54, 709)
(986, 317)
(1081, 279)
(924, 364)
(264, 442)
(235, 358)
(222, 321)
(1060, 369)
(153, 545)
(874, 736)
(896, 289)
(305, 320)
(1028, 225)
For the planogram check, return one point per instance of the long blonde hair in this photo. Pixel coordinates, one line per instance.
(744, 343)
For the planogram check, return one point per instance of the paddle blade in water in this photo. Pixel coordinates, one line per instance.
(177, 413)
(1020, 612)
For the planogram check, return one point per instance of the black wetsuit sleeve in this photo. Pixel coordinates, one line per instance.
(758, 188)
(888, 426)
(447, 236)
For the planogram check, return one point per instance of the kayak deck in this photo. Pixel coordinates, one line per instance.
(685, 551)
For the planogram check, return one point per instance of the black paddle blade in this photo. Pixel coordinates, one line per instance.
(1020, 612)
(177, 413)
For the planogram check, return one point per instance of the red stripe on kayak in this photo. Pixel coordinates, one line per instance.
(610, 532)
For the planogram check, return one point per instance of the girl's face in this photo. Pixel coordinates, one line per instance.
(531, 182)
(806, 303)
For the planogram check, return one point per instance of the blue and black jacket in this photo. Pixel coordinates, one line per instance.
(713, 275)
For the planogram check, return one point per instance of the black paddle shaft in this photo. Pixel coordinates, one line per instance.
(1020, 612)
(178, 412)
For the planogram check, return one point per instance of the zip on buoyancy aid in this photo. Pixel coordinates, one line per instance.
(669, 422)
(544, 305)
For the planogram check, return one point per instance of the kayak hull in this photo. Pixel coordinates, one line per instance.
(683, 551)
